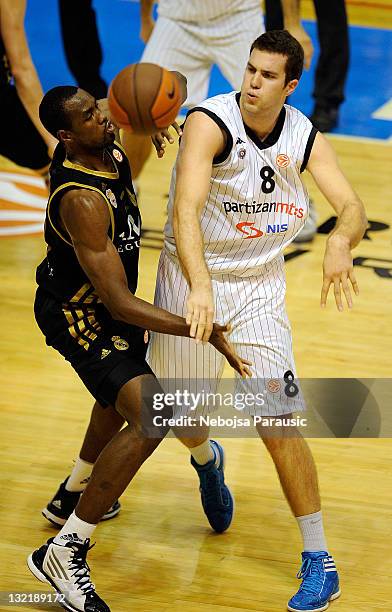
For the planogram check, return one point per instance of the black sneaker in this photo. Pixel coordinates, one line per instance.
(64, 503)
(65, 568)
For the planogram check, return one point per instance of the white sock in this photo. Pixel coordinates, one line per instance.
(74, 529)
(312, 530)
(203, 453)
(79, 476)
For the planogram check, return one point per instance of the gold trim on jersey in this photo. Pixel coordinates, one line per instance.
(99, 173)
(120, 146)
(90, 188)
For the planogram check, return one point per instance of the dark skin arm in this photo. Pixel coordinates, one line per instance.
(85, 217)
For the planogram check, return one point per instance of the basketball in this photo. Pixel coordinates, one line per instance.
(144, 98)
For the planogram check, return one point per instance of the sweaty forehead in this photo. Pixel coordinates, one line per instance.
(265, 60)
(80, 102)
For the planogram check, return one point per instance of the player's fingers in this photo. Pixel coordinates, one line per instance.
(324, 291)
(346, 291)
(354, 283)
(166, 134)
(207, 331)
(246, 362)
(201, 325)
(158, 145)
(209, 319)
(337, 294)
(177, 128)
(189, 314)
(194, 323)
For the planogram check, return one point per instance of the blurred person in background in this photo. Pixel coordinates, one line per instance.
(331, 70)
(333, 61)
(193, 36)
(24, 139)
(82, 46)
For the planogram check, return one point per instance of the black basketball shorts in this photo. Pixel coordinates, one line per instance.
(105, 353)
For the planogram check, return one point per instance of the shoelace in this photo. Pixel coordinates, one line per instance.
(311, 576)
(79, 564)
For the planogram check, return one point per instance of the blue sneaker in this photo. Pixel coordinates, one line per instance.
(216, 498)
(320, 583)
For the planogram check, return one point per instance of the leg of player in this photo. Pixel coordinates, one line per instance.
(104, 424)
(298, 476)
(208, 459)
(62, 560)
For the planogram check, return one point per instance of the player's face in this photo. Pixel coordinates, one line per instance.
(91, 128)
(263, 86)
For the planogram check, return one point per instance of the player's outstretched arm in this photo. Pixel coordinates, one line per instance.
(201, 142)
(86, 218)
(159, 139)
(350, 226)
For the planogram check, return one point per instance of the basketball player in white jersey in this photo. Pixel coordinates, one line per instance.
(192, 36)
(236, 201)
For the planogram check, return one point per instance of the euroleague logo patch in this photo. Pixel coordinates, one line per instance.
(283, 160)
(117, 155)
(111, 197)
(273, 385)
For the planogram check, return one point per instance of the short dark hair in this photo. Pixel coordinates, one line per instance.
(52, 112)
(282, 42)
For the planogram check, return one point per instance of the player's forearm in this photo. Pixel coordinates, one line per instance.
(146, 8)
(291, 13)
(190, 248)
(138, 312)
(351, 223)
(30, 93)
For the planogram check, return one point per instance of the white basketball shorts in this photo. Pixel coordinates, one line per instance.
(192, 49)
(255, 308)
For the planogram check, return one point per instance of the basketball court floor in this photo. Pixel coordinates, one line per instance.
(159, 553)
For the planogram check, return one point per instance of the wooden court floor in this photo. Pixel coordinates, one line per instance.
(159, 553)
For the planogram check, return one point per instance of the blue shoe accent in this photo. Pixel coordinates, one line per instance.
(216, 498)
(320, 583)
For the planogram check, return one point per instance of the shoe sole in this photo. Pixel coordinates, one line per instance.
(44, 578)
(228, 488)
(334, 596)
(60, 522)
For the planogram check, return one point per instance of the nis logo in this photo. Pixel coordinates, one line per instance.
(251, 231)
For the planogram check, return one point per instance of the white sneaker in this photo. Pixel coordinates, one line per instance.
(65, 568)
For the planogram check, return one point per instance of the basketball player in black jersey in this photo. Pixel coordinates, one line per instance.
(86, 308)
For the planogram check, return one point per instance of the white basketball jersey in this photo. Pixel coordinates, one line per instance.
(257, 202)
(204, 10)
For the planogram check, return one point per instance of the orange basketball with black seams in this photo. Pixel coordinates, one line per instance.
(144, 98)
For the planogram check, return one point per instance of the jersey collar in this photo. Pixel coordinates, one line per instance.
(272, 137)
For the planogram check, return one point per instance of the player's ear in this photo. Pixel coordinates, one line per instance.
(291, 86)
(64, 136)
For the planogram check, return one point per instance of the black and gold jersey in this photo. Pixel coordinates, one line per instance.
(60, 273)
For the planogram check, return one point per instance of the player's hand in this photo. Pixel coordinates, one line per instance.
(158, 139)
(146, 28)
(219, 341)
(200, 312)
(338, 271)
(300, 34)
